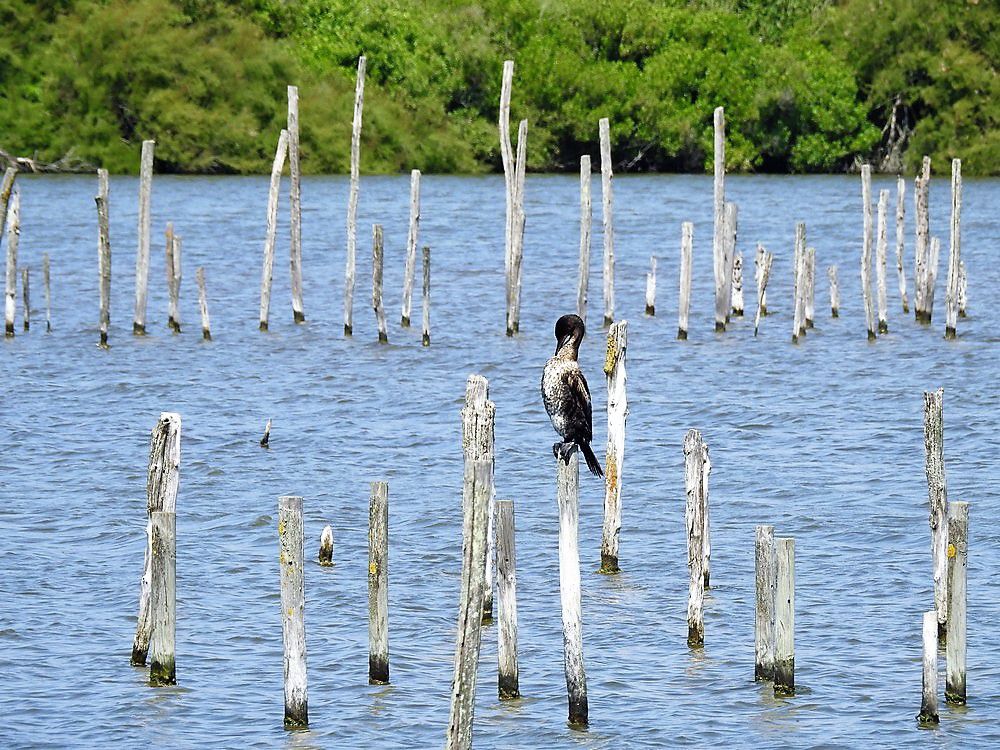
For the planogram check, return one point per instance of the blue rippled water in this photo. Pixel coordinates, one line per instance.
(823, 439)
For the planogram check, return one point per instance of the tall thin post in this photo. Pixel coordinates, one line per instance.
(103, 253)
(169, 263)
(378, 585)
(614, 370)
(426, 338)
(900, 227)
(758, 274)
(694, 523)
(291, 541)
(937, 495)
(738, 285)
(651, 287)
(6, 188)
(48, 292)
(517, 233)
(478, 444)
(267, 272)
(955, 251)
(206, 324)
(145, 224)
(809, 303)
(730, 224)
(866, 250)
(295, 198)
(586, 217)
(958, 557)
(831, 272)
(507, 157)
(411, 247)
(25, 296)
(352, 199)
(764, 277)
(798, 322)
(922, 249)
(784, 618)
(684, 300)
(881, 250)
(767, 581)
(568, 499)
(718, 212)
(963, 289)
(175, 271)
(13, 217)
(929, 699)
(607, 201)
(163, 597)
(377, 263)
(930, 278)
(507, 672)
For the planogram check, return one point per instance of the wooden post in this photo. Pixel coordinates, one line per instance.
(767, 582)
(607, 201)
(958, 556)
(6, 188)
(651, 287)
(930, 277)
(175, 259)
(900, 226)
(922, 250)
(426, 338)
(809, 303)
(352, 199)
(517, 240)
(26, 297)
(161, 495)
(169, 263)
(377, 252)
(12, 220)
(684, 303)
(103, 253)
(866, 250)
(784, 618)
(142, 252)
(47, 290)
(738, 285)
(758, 274)
(291, 541)
(206, 325)
(378, 585)
(295, 198)
(831, 272)
(798, 322)
(586, 214)
(937, 495)
(326, 547)
(694, 523)
(718, 210)
(478, 444)
(706, 535)
(568, 499)
(764, 277)
(881, 250)
(163, 597)
(963, 289)
(929, 699)
(272, 229)
(411, 247)
(955, 251)
(507, 157)
(614, 370)
(730, 221)
(507, 673)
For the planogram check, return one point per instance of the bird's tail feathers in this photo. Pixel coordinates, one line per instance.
(592, 463)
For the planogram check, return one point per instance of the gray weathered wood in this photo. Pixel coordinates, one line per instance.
(145, 224)
(694, 458)
(784, 618)
(718, 213)
(764, 275)
(326, 547)
(958, 558)
(517, 242)
(206, 323)
(955, 251)
(478, 444)
(929, 699)
(568, 500)
(930, 278)
(352, 198)
(6, 188)
(900, 228)
(48, 292)
(169, 265)
(963, 289)
(767, 581)
(507, 158)
(295, 199)
(738, 285)
(291, 543)
(11, 219)
(586, 218)
(163, 597)
(162, 479)
(426, 338)
(866, 251)
(937, 495)
(651, 287)
(922, 249)
(377, 264)
(798, 289)
(614, 371)
(507, 672)
(175, 294)
(809, 302)
(267, 271)
(103, 254)
(607, 202)
(831, 273)
(26, 297)
(411, 247)
(684, 299)
(706, 532)
(758, 275)
(378, 585)
(730, 230)
(881, 251)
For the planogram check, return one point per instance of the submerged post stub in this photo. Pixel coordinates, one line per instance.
(784, 618)
(326, 546)
(378, 584)
(293, 600)
(265, 442)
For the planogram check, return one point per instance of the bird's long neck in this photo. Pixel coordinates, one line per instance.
(570, 349)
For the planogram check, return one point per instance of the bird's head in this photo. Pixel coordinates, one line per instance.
(569, 332)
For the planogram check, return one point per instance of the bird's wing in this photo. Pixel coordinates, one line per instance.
(579, 407)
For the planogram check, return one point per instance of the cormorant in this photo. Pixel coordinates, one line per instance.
(566, 395)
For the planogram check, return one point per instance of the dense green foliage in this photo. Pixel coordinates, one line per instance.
(808, 85)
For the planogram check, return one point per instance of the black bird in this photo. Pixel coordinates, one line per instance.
(566, 395)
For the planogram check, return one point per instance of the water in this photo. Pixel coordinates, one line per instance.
(824, 440)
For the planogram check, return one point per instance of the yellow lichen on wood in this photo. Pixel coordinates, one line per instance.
(611, 357)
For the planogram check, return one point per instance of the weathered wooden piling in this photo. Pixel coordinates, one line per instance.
(900, 227)
(614, 370)
(507, 158)
(929, 699)
(206, 324)
(963, 289)
(26, 298)
(568, 499)
(507, 672)
(831, 273)
(162, 480)
(921, 251)
(881, 250)
(866, 250)
(958, 557)
(6, 188)
(684, 300)
(378, 585)
(718, 212)
(103, 253)
(426, 338)
(145, 225)
(175, 289)
(809, 303)
(295, 199)
(267, 272)
(764, 275)
(694, 475)
(517, 236)
(478, 444)
(798, 295)
(758, 275)
(955, 251)
(377, 262)
(11, 219)
(766, 566)
(326, 547)
(352, 199)
(291, 541)
(651, 287)
(937, 495)
(169, 265)
(607, 201)
(48, 292)
(163, 598)
(411, 247)
(930, 278)
(738, 285)
(784, 617)
(586, 218)
(266, 440)
(731, 228)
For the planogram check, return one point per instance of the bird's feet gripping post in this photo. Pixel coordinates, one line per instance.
(563, 451)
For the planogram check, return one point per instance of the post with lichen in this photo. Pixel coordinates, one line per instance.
(684, 300)
(614, 370)
(937, 494)
(958, 558)
(784, 618)
(291, 541)
(378, 585)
